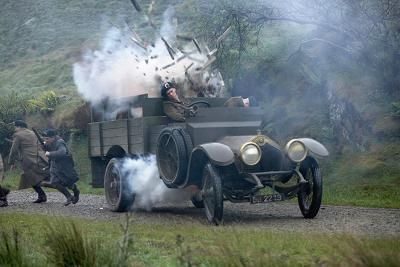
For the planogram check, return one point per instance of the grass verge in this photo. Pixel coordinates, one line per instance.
(103, 243)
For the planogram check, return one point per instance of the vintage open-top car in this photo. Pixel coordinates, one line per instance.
(220, 151)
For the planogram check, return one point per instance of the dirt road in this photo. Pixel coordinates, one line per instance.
(277, 216)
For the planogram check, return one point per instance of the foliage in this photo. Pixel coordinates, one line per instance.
(6, 132)
(69, 247)
(396, 109)
(11, 253)
(46, 102)
(155, 244)
(126, 244)
(357, 253)
(15, 105)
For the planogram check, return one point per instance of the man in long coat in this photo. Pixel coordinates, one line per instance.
(62, 171)
(34, 163)
(3, 191)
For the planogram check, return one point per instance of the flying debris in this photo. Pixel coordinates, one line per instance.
(139, 44)
(169, 65)
(224, 35)
(170, 50)
(197, 45)
(208, 63)
(180, 58)
(186, 69)
(212, 53)
(136, 5)
(149, 14)
(184, 38)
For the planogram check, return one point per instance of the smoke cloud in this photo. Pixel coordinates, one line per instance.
(125, 65)
(145, 183)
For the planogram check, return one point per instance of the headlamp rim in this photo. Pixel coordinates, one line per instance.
(242, 150)
(288, 146)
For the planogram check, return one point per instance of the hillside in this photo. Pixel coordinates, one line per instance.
(341, 91)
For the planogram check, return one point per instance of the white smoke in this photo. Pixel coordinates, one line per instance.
(145, 183)
(125, 65)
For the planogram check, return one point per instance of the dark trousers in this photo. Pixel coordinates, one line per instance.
(3, 196)
(63, 189)
(4, 191)
(38, 189)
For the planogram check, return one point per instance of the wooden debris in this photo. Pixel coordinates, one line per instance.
(208, 63)
(197, 45)
(171, 51)
(224, 35)
(169, 65)
(183, 37)
(136, 5)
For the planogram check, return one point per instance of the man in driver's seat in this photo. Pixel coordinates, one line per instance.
(173, 107)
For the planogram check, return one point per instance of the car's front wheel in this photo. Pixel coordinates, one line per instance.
(310, 194)
(118, 190)
(212, 194)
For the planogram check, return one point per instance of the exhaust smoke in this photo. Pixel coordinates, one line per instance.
(144, 182)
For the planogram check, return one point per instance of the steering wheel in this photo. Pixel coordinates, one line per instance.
(196, 104)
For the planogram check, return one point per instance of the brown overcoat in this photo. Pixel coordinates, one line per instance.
(25, 148)
(176, 110)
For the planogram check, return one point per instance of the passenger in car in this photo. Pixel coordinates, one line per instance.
(173, 107)
(238, 101)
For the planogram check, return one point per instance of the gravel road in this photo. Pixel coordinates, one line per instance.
(276, 216)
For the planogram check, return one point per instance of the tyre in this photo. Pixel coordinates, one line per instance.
(310, 194)
(212, 194)
(119, 193)
(173, 151)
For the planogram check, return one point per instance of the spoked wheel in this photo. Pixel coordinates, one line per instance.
(212, 194)
(118, 191)
(310, 194)
(173, 150)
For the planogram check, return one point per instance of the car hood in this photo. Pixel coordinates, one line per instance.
(236, 142)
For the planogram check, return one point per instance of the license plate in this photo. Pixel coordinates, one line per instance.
(267, 198)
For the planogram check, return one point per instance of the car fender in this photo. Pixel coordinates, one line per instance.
(218, 154)
(315, 147)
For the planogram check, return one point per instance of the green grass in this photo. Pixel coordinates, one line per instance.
(369, 179)
(192, 244)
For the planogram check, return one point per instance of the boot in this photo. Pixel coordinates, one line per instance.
(3, 202)
(4, 191)
(65, 192)
(76, 194)
(70, 200)
(41, 194)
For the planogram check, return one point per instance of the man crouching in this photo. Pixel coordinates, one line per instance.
(62, 172)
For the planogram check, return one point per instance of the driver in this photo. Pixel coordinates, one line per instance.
(173, 107)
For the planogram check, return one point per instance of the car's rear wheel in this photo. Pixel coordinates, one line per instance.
(173, 151)
(118, 190)
(310, 194)
(212, 194)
